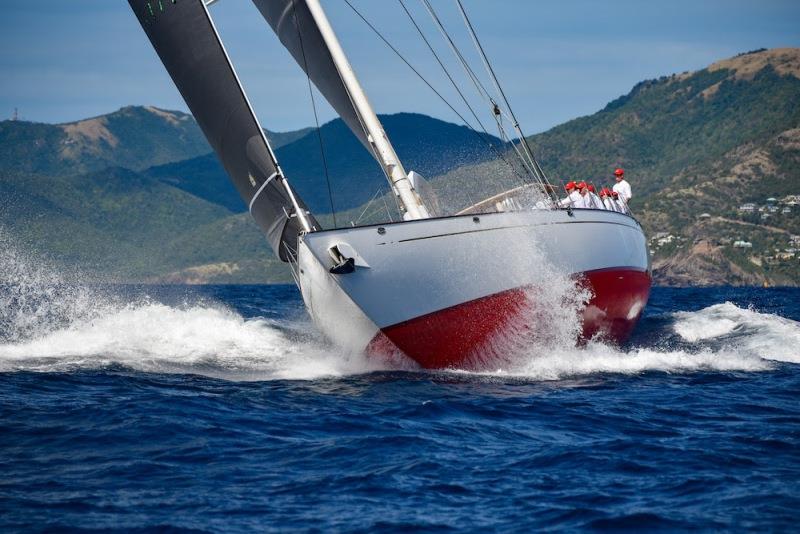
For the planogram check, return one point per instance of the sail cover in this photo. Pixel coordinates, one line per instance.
(185, 39)
(293, 23)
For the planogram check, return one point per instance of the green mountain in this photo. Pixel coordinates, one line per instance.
(691, 144)
(110, 204)
(134, 195)
(133, 137)
(424, 144)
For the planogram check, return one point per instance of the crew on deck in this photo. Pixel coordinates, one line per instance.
(583, 195)
(608, 202)
(622, 187)
(573, 199)
(596, 202)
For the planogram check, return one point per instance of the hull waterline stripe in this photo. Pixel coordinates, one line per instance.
(260, 189)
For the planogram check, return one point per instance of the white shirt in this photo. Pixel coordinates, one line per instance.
(623, 189)
(596, 202)
(574, 199)
(584, 202)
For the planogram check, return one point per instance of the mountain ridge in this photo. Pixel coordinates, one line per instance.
(696, 145)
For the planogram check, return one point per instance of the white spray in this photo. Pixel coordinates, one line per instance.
(49, 322)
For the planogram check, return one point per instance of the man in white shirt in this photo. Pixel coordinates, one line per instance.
(622, 187)
(585, 201)
(595, 200)
(573, 199)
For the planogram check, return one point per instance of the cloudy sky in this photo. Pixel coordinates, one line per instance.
(65, 60)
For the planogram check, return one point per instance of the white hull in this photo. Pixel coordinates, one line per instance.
(418, 269)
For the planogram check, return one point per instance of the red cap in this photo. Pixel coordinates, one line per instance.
(581, 185)
(615, 194)
(606, 191)
(570, 185)
(619, 172)
(591, 188)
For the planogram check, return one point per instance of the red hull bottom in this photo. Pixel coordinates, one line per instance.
(463, 336)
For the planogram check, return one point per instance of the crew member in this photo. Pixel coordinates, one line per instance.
(596, 202)
(573, 196)
(586, 200)
(619, 204)
(608, 202)
(622, 187)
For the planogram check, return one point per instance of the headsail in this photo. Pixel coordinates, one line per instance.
(304, 30)
(298, 31)
(185, 39)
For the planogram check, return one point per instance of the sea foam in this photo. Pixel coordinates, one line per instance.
(49, 322)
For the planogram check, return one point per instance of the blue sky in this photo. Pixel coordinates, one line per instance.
(65, 60)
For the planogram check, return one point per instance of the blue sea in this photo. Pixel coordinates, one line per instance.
(218, 408)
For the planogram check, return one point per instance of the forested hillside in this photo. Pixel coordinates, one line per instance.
(713, 157)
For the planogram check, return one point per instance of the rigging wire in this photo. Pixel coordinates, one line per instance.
(439, 61)
(488, 65)
(470, 73)
(454, 84)
(480, 88)
(316, 118)
(497, 152)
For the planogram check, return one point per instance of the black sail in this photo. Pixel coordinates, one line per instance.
(185, 39)
(297, 30)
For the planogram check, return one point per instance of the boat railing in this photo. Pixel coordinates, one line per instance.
(525, 197)
(517, 199)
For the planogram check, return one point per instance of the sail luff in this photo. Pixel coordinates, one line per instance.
(300, 212)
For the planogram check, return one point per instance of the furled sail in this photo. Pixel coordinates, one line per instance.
(298, 31)
(183, 35)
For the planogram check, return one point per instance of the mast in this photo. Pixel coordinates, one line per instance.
(384, 151)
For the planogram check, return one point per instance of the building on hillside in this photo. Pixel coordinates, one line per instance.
(669, 238)
(786, 209)
(765, 216)
(791, 200)
(772, 200)
(772, 209)
(705, 216)
(742, 244)
(748, 207)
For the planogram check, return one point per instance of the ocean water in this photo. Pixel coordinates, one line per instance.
(217, 408)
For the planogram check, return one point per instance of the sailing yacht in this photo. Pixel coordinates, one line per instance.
(438, 288)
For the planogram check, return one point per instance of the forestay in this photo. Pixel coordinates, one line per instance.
(185, 39)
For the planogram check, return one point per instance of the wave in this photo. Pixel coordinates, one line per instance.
(765, 335)
(204, 339)
(721, 337)
(51, 323)
(213, 340)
